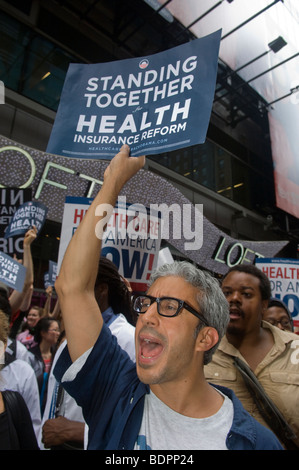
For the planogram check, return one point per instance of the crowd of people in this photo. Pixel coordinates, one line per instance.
(189, 364)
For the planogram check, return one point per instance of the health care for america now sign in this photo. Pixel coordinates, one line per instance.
(154, 104)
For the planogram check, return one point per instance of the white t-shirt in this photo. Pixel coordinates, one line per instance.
(20, 377)
(165, 429)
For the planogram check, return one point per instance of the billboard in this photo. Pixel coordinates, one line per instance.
(248, 29)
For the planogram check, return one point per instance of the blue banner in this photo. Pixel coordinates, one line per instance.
(12, 273)
(28, 214)
(154, 104)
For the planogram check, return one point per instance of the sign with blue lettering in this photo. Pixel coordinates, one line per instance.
(12, 273)
(28, 214)
(131, 241)
(154, 104)
(283, 274)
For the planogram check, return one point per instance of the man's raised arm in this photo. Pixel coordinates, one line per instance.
(75, 284)
(22, 300)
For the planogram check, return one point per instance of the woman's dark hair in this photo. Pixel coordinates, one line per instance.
(119, 296)
(42, 325)
(265, 287)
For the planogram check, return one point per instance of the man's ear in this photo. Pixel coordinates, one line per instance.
(264, 305)
(207, 338)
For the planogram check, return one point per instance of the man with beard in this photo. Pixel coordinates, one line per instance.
(269, 354)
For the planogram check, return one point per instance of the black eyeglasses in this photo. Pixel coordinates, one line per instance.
(285, 323)
(166, 306)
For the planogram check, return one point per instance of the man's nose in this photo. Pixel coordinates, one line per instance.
(234, 297)
(151, 316)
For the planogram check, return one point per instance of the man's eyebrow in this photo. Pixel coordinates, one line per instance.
(241, 287)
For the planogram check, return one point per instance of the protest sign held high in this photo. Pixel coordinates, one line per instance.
(27, 215)
(154, 104)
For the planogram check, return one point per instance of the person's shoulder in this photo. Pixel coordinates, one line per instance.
(22, 366)
(260, 437)
(265, 438)
(121, 323)
(285, 335)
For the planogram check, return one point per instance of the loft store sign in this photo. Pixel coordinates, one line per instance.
(232, 254)
(52, 178)
(44, 177)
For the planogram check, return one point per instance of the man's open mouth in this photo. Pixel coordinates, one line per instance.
(235, 313)
(150, 348)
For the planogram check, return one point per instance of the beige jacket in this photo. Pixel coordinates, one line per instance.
(278, 373)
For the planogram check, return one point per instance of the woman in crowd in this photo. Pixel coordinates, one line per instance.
(47, 331)
(16, 428)
(27, 336)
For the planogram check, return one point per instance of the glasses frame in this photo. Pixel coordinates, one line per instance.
(182, 304)
(284, 322)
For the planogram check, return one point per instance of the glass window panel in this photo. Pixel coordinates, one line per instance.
(223, 172)
(240, 183)
(30, 64)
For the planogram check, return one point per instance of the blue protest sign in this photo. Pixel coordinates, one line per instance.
(12, 273)
(51, 275)
(28, 214)
(154, 104)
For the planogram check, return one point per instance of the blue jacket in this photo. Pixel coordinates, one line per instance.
(112, 398)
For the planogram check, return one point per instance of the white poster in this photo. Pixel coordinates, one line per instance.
(283, 274)
(132, 239)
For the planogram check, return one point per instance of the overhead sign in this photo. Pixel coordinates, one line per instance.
(154, 104)
(131, 241)
(12, 273)
(283, 274)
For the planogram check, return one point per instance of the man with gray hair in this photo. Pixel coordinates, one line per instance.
(163, 401)
(212, 305)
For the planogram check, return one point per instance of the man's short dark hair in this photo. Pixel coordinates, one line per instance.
(119, 297)
(265, 287)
